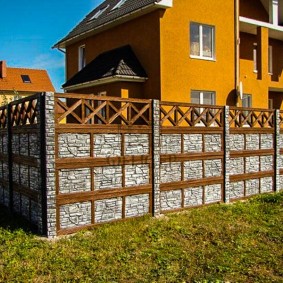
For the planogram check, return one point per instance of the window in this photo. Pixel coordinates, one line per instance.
(203, 97)
(247, 101)
(119, 4)
(270, 63)
(26, 79)
(202, 41)
(82, 59)
(270, 103)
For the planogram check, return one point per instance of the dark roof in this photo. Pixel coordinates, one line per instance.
(117, 62)
(104, 14)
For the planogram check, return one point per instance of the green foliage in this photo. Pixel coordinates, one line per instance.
(241, 242)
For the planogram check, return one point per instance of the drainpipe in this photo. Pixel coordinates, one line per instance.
(237, 52)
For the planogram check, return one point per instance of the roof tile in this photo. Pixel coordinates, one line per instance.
(89, 23)
(117, 62)
(40, 80)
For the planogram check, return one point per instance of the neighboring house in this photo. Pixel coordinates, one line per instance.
(20, 82)
(198, 51)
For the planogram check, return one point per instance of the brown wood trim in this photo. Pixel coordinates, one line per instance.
(63, 199)
(102, 129)
(76, 163)
(191, 156)
(251, 130)
(250, 176)
(100, 98)
(247, 153)
(191, 183)
(66, 231)
(26, 129)
(31, 194)
(190, 130)
(26, 160)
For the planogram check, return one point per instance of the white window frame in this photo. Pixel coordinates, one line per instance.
(247, 97)
(202, 56)
(201, 96)
(98, 13)
(270, 58)
(81, 57)
(119, 4)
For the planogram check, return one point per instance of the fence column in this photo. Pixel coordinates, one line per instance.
(10, 157)
(50, 164)
(277, 151)
(156, 157)
(226, 155)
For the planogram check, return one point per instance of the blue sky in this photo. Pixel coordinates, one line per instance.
(29, 29)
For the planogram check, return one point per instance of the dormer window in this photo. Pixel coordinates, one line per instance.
(99, 13)
(119, 4)
(26, 79)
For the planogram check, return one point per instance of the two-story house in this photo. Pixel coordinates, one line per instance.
(20, 82)
(198, 51)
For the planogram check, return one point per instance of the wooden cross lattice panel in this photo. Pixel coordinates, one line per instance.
(90, 109)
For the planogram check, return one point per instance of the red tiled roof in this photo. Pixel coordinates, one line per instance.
(39, 80)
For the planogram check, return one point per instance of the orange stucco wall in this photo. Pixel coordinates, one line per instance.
(179, 72)
(143, 36)
(117, 89)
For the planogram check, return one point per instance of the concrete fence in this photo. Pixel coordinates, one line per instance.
(69, 161)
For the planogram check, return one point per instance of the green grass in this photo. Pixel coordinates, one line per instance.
(241, 242)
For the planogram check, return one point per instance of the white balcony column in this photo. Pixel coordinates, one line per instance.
(273, 12)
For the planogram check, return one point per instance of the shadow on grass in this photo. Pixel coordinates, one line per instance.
(13, 222)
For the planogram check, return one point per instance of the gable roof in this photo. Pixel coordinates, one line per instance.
(14, 80)
(120, 64)
(110, 13)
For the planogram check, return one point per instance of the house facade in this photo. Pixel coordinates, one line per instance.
(16, 83)
(198, 51)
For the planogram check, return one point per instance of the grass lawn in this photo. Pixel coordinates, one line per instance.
(242, 242)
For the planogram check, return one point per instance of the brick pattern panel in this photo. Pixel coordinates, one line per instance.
(110, 169)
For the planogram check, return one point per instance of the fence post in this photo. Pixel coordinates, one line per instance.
(277, 151)
(50, 164)
(156, 157)
(226, 155)
(41, 109)
(10, 156)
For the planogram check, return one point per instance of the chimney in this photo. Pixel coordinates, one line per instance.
(3, 69)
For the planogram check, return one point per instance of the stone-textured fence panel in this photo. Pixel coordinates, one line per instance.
(192, 156)
(103, 161)
(22, 158)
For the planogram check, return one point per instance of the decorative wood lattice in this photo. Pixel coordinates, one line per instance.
(24, 111)
(91, 109)
(3, 117)
(188, 115)
(252, 118)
